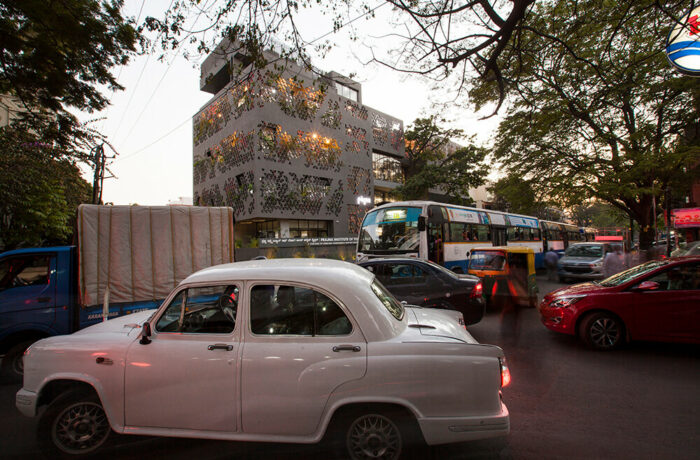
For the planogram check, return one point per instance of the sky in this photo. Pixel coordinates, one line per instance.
(149, 123)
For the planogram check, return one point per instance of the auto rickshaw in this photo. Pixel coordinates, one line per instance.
(506, 272)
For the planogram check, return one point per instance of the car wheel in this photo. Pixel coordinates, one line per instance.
(602, 331)
(74, 424)
(13, 362)
(376, 435)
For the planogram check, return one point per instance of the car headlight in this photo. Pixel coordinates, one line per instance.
(597, 264)
(563, 302)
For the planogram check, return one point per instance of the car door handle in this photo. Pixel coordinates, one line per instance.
(220, 346)
(354, 348)
(43, 299)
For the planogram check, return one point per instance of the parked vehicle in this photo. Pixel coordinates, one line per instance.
(686, 250)
(128, 258)
(270, 350)
(428, 284)
(658, 300)
(507, 274)
(583, 261)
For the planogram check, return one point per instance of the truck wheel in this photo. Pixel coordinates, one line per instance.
(74, 425)
(13, 363)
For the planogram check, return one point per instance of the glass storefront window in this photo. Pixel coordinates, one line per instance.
(387, 168)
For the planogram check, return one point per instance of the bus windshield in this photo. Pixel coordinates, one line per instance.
(390, 230)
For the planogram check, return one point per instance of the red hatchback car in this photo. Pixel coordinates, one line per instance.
(658, 300)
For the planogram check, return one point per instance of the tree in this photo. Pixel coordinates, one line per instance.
(434, 161)
(433, 38)
(54, 57)
(40, 190)
(599, 112)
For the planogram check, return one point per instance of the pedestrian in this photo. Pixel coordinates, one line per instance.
(551, 259)
(614, 262)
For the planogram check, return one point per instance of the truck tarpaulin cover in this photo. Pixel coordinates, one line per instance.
(143, 252)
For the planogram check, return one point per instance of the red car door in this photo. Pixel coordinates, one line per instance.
(671, 312)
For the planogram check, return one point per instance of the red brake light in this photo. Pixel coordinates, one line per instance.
(505, 373)
(478, 290)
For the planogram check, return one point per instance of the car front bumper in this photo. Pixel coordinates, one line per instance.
(26, 402)
(444, 430)
(557, 319)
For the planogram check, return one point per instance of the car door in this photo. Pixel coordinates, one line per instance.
(28, 291)
(300, 346)
(407, 282)
(671, 312)
(187, 377)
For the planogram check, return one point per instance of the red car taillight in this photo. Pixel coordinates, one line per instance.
(478, 290)
(505, 373)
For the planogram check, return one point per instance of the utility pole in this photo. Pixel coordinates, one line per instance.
(99, 160)
(667, 205)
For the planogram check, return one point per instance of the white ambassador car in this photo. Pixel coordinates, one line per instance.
(287, 350)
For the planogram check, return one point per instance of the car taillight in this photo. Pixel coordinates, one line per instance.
(505, 373)
(478, 290)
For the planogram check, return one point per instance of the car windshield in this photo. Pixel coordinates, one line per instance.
(442, 269)
(390, 230)
(584, 250)
(388, 300)
(632, 273)
(487, 260)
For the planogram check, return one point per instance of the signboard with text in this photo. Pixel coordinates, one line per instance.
(293, 242)
(685, 218)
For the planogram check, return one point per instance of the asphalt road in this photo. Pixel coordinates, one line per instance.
(641, 402)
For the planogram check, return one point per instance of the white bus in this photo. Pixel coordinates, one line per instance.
(442, 233)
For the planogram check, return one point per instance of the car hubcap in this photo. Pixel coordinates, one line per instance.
(80, 428)
(605, 333)
(374, 436)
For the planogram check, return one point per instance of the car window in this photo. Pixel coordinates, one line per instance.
(388, 300)
(487, 260)
(632, 273)
(402, 274)
(293, 310)
(584, 250)
(202, 310)
(678, 278)
(25, 271)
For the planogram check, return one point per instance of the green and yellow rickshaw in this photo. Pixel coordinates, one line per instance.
(507, 274)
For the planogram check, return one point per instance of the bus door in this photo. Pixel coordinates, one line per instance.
(498, 235)
(436, 243)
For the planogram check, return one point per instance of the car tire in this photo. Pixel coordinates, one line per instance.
(12, 362)
(602, 331)
(73, 426)
(377, 434)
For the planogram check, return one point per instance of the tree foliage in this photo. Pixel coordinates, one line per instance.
(54, 56)
(433, 161)
(520, 196)
(599, 111)
(40, 190)
(434, 38)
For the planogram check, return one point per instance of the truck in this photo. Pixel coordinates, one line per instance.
(127, 259)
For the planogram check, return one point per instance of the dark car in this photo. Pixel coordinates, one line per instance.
(426, 284)
(657, 301)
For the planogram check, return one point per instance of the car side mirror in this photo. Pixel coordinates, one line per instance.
(421, 223)
(145, 333)
(646, 286)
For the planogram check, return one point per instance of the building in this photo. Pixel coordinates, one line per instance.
(296, 153)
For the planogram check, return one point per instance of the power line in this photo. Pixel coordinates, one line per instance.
(155, 141)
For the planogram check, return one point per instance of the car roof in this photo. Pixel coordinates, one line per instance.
(316, 271)
(349, 283)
